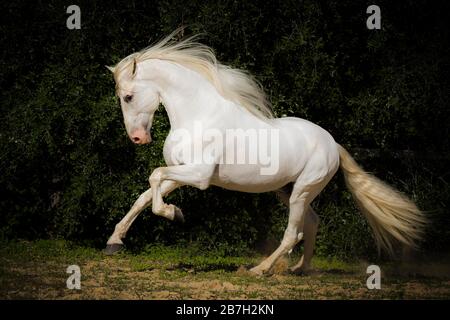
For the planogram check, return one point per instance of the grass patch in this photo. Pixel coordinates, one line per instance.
(37, 270)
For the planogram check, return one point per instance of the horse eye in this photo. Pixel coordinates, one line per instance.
(127, 98)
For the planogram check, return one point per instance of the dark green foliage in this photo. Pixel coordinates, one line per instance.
(68, 169)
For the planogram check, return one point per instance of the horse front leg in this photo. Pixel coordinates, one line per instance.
(197, 176)
(115, 243)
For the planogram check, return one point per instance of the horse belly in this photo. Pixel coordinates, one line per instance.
(247, 178)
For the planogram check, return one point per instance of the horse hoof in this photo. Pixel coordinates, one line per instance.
(256, 271)
(299, 271)
(113, 248)
(178, 217)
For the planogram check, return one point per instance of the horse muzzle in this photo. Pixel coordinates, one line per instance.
(141, 136)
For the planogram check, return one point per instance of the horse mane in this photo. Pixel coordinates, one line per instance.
(233, 84)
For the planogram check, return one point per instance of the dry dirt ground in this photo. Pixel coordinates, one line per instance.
(38, 271)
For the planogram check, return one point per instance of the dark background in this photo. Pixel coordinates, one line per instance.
(69, 171)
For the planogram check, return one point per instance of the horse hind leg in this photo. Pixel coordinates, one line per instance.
(302, 195)
(310, 231)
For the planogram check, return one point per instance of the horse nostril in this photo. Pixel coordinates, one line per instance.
(136, 139)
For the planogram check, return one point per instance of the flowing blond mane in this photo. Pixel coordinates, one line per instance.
(235, 85)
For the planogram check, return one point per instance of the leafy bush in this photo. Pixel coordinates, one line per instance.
(69, 171)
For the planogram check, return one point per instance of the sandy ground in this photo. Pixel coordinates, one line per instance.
(119, 277)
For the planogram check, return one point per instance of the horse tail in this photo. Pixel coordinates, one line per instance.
(391, 215)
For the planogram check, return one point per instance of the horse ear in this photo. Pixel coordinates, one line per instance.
(134, 67)
(110, 68)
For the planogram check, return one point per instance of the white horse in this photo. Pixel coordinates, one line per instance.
(196, 90)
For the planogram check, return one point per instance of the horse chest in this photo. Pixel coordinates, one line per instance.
(179, 149)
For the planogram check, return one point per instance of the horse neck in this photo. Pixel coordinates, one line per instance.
(185, 94)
